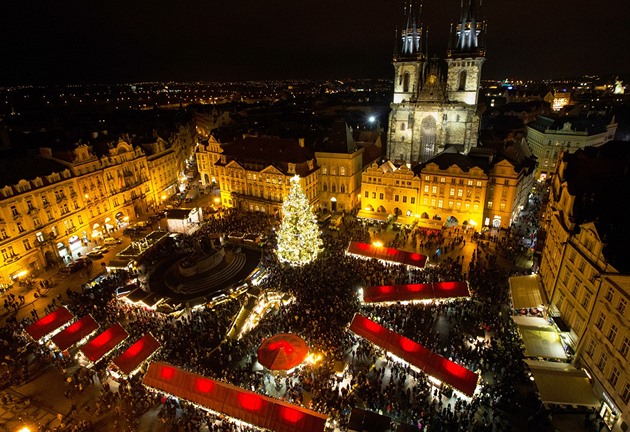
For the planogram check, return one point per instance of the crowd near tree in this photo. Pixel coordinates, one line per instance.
(476, 332)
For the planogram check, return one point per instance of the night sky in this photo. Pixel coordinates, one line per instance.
(216, 40)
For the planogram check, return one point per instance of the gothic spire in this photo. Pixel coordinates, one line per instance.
(465, 34)
(411, 34)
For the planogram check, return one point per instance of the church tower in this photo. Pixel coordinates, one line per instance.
(465, 56)
(435, 101)
(408, 57)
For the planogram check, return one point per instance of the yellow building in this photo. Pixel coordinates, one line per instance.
(585, 270)
(55, 205)
(254, 173)
(342, 159)
(471, 191)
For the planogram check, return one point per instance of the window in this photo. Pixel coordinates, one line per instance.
(380, 196)
(609, 294)
(470, 183)
(614, 376)
(502, 206)
(603, 359)
(622, 305)
(489, 205)
(581, 266)
(373, 195)
(404, 199)
(413, 200)
(601, 319)
(3, 233)
(442, 180)
(434, 189)
(576, 286)
(342, 171)
(396, 198)
(20, 227)
(612, 333)
(478, 184)
(450, 204)
(432, 202)
(426, 188)
(324, 170)
(625, 346)
(452, 192)
(27, 244)
(572, 256)
(586, 300)
(460, 192)
(367, 194)
(14, 210)
(440, 203)
(590, 350)
(625, 394)
(475, 207)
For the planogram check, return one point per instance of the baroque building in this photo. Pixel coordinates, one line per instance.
(585, 270)
(254, 173)
(548, 137)
(58, 203)
(434, 106)
(482, 188)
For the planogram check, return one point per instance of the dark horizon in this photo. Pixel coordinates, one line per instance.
(119, 42)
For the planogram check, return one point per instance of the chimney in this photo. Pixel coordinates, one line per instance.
(301, 141)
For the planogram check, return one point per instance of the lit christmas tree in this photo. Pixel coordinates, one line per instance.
(298, 237)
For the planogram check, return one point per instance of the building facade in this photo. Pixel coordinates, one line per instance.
(548, 137)
(585, 271)
(452, 189)
(432, 107)
(254, 173)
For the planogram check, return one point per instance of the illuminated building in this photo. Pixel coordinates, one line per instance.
(254, 173)
(342, 159)
(481, 188)
(433, 108)
(55, 204)
(548, 137)
(585, 270)
(560, 100)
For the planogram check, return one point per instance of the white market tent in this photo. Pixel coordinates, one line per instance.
(526, 292)
(540, 338)
(561, 383)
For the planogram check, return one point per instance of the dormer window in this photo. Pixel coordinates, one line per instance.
(291, 168)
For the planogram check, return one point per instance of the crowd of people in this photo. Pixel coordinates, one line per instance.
(475, 332)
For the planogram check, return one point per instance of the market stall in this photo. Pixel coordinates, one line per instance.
(415, 292)
(75, 332)
(282, 352)
(46, 326)
(562, 384)
(367, 250)
(526, 292)
(130, 360)
(105, 342)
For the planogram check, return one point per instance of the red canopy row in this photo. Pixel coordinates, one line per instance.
(258, 410)
(133, 356)
(49, 323)
(104, 343)
(387, 254)
(412, 352)
(391, 293)
(75, 332)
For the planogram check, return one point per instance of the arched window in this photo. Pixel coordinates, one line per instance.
(403, 126)
(406, 82)
(342, 171)
(325, 187)
(342, 189)
(333, 188)
(428, 128)
(462, 81)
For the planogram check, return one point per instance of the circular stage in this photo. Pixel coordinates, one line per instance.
(174, 278)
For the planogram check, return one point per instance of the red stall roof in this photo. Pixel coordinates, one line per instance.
(133, 356)
(412, 352)
(410, 292)
(49, 323)
(104, 343)
(258, 410)
(387, 254)
(75, 332)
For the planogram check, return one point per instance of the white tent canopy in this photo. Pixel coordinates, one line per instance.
(526, 292)
(561, 383)
(540, 339)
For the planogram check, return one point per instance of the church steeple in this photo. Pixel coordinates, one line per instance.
(411, 35)
(468, 34)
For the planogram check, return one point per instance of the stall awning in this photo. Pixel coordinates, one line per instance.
(540, 339)
(526, 292)
(367, 214)
(136, 354)
(417, 355)
(387, 254)
(249, 407)
(411, 292)
(75, 332)
(563, 384)
(49, 323)
(106, 341)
